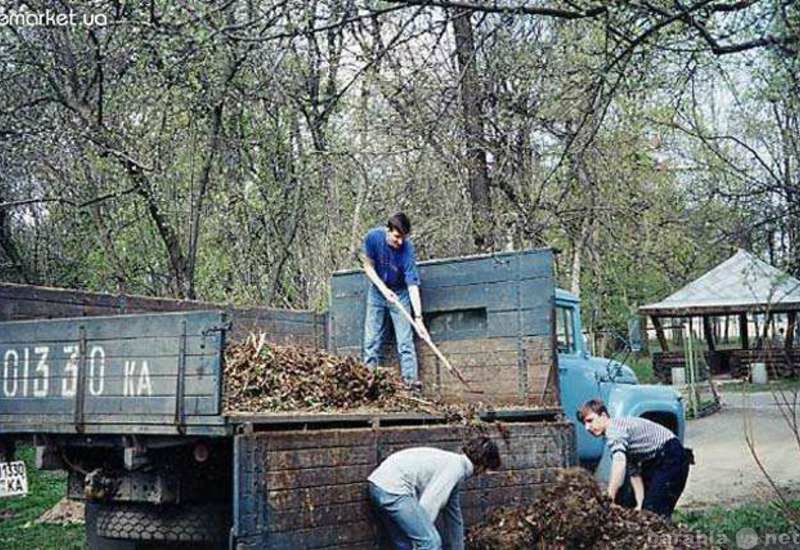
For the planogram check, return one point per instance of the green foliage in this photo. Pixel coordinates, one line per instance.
(719, 522)
(642, 365)
(226, 159)
(18, 529)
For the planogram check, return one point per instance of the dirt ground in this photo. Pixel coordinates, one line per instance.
(726, 472)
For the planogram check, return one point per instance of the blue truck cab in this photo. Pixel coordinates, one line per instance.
(583, 376)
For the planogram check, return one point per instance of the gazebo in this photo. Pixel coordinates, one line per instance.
(743, 291)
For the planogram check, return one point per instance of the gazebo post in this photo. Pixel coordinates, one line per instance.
(662, 339)
(790, 328)
(708, 332)
(743, 330)
(767, 323)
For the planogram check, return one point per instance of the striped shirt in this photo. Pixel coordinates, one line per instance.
(640, 439)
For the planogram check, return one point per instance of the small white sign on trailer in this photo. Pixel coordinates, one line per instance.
(13, 479)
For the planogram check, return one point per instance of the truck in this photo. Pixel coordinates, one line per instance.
(583, 376)
(132, 407)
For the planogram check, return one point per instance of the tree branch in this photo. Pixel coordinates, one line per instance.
(495, 8)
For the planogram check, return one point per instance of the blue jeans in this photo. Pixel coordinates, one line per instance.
(375, 332)
(409, 526)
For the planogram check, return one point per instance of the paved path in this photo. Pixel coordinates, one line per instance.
(726, 472)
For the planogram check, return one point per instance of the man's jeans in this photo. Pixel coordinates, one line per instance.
(375, 332)
(409, 526)
(665, 478)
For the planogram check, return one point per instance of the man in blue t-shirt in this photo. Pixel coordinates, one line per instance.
(391, 266)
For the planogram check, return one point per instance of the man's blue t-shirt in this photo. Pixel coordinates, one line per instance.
(396, 267)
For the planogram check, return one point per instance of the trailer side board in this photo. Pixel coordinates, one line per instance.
(491, 315)
(307, 490)
(74, 374)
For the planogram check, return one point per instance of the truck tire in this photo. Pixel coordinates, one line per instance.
(196, 523)
(95, 542)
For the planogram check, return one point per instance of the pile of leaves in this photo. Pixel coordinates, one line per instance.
(65, 512)
(262, 377)
(573, 514)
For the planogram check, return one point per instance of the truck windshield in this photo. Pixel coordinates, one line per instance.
(565, 337)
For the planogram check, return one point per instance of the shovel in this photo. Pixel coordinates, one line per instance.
(427, 339)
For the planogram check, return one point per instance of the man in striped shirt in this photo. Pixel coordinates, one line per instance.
(655, 460)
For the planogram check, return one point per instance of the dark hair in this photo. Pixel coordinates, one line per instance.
(593, 405)
(482, 451)
(399, 222)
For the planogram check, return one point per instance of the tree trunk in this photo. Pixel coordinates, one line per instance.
(477, 168)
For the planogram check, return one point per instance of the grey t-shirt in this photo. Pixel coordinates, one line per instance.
(428, 474)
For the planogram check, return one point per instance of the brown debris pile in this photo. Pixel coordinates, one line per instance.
(573, 514)
(262, 377)
(65, 512)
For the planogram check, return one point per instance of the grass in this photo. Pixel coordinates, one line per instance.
(20, 532)
(722, 524)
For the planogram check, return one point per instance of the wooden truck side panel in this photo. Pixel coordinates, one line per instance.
(491, 315)
(304, 490)
(22, 302)
(69, 375)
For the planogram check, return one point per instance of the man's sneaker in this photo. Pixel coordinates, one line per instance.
(415, 387)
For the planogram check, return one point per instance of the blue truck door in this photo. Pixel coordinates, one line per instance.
(577, 381)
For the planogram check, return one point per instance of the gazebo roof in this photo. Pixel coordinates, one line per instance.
(740, 284)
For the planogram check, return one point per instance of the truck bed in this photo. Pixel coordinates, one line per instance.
(162, 373)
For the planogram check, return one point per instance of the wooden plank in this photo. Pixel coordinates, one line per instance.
(348, 323)
(135, 385)
(125, 303)
(529, 322)
(113, 425)
(522, 454)
(169, 419)
(463, 271)
(194, 406)
(314, 439)
(320, 537)
(36, 362)
(413, 435)
(305, 497)
(349, 315)
(319, 457)
(130, 348)
(35, 406)
(315, 477)
(112, 328)
(323, 514)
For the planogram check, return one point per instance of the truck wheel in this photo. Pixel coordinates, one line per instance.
(147, 522)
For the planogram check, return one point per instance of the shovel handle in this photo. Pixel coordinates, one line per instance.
(435, 349)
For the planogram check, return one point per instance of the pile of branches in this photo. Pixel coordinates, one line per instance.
(263, 377)
(573, 514)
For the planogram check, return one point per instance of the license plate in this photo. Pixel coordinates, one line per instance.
(13, 479)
